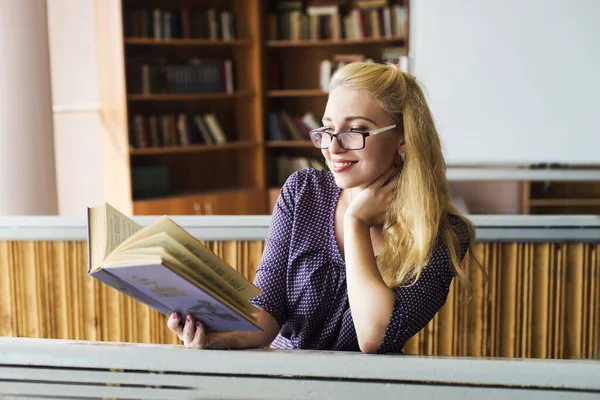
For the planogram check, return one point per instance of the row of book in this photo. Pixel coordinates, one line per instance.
(195, 76)
(291, 20)
(286, 166)
(167, 130)
(283, 126)
(184, 23)
(392, 55)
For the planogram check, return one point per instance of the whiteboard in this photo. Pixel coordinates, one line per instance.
(512, 81)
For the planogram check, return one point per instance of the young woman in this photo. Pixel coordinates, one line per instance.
(361, 257)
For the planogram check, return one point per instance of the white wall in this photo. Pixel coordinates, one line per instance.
(513, 81)
(78, 134)
(27, 177)
(489, 197)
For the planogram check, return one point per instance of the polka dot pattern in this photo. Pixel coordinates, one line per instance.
(303, 275)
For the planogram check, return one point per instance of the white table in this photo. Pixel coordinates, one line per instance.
(41, 368)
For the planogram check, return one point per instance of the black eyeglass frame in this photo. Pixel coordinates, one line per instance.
(336, 136)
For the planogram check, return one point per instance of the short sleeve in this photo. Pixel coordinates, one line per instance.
(272, 270)
(416, 305)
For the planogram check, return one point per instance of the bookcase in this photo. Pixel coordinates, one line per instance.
(219, 95)
(557, 197)
(194, 106)
(304, 43)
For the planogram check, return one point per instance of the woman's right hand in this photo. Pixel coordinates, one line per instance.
(193, 335)
(190, 332)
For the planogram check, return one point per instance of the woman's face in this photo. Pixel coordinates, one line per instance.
(352, 110)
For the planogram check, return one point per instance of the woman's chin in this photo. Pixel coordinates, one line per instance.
(344, 182)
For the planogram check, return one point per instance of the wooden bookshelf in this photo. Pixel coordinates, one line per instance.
(224, 202)
(188, 96)
(186, 42)
(564, 202)
(145, 49)
(186, 61)
(297, 41)
(561, 197)
(242, 144)
(336, 43)
(289, 143)
(297, 93)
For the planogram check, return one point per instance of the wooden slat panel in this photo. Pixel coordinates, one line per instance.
(518, 305)
(446, 325)
(528, 289)
(7, 290)
(594, 324)
(508, 299)
(493, 303)
(574, 299)
(540, 300)
(475, 320)
(551, 308)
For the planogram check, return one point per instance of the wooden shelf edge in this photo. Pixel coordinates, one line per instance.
(289, 143)
(195, 148)
(188, 96)
(555, 202)
(297, 93)
(186, 42)
(178, 196)
(333, 43)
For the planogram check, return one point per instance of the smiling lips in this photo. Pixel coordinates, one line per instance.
(340, 165)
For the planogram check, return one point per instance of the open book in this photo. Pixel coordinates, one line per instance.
(165, 267)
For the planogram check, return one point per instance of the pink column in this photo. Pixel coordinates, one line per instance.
(27, 174)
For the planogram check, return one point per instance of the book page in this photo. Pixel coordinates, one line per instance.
(107, 228)
(119, 227)
(194, 265)
(240, 284)
(96, 233)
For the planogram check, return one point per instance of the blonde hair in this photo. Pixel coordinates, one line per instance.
(422, 203)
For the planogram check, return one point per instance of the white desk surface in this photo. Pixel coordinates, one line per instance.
(489, 227)
(35, 366)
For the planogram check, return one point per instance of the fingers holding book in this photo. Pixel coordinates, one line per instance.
(190, 331)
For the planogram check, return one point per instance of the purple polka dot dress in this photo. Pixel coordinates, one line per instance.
(303, 275)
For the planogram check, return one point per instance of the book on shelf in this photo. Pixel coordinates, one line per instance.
(197, 75)
(291, 20)
(169, 130)
(328, 67)
(394, 55)
(397, 56)
(284, 126)
(182, 23)
(166, 268)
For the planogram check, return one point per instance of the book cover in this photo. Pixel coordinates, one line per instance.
(163, 266)
(167, 292)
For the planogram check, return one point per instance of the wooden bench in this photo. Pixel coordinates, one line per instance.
(49, 368)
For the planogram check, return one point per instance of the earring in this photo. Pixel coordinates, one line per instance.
(403, 156)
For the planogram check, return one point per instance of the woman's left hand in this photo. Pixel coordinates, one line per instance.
(370, 205)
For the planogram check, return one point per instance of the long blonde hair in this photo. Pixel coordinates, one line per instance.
(422, 202)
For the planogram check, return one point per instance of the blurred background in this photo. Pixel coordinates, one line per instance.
(203, 107)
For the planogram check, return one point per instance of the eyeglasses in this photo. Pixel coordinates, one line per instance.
(322, 137)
